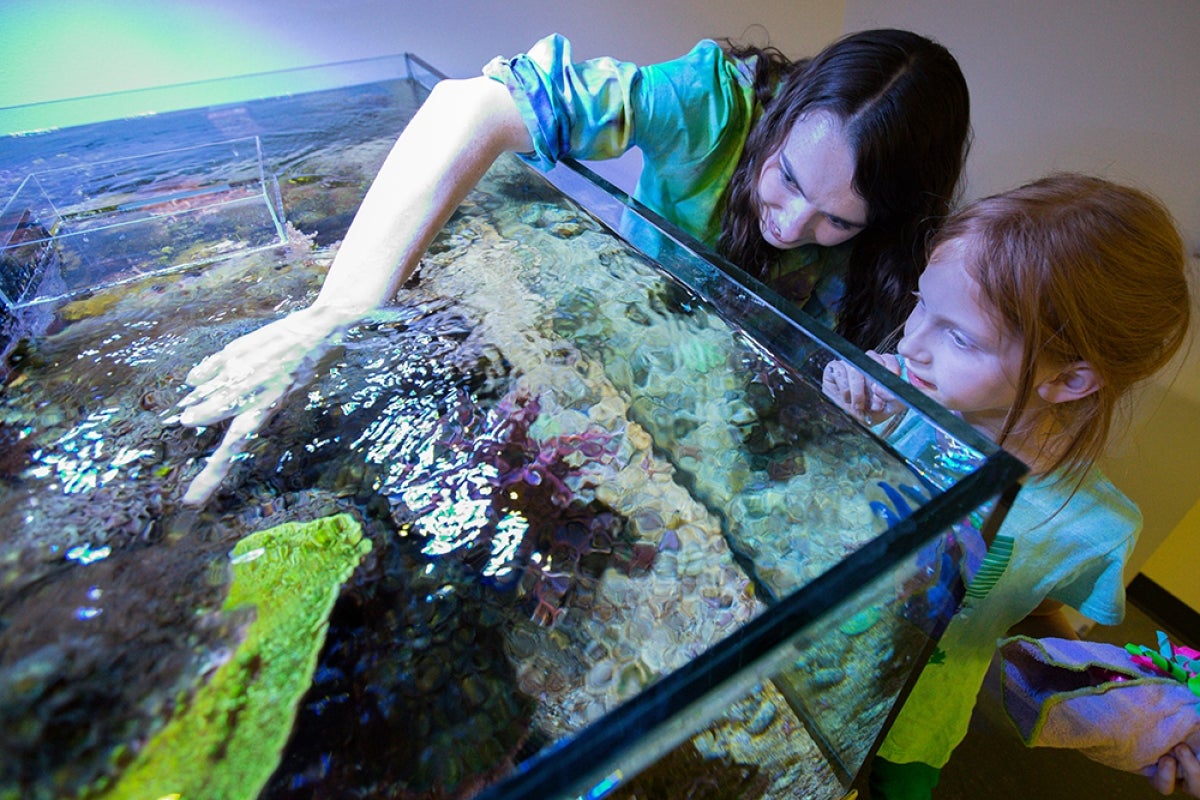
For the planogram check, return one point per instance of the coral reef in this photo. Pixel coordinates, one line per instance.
(224, 741)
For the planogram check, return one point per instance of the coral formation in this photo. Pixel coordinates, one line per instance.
(224, 741)
(531, 529)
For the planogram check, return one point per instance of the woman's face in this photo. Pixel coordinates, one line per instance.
(805, 189)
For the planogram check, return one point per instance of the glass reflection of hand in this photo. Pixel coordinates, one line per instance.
(248, 381)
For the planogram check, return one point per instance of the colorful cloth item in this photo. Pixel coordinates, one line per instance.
(1169, 660)
(690, 117)
(1094, 698)
(1069, 548)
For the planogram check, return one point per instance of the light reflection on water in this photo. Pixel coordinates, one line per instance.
(409, 435)
(79, 462)
(86, 554)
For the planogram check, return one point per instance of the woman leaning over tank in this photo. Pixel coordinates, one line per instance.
(822, 177)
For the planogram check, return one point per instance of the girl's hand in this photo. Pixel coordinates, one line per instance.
(858, 395)
(248, 380)
(1178, 769)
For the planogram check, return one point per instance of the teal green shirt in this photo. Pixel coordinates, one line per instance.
(690, 117)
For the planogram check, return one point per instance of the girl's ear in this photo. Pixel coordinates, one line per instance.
(1071, 383)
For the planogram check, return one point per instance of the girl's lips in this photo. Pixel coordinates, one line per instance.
(920, 383)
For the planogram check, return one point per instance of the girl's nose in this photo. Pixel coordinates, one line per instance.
(910, 345)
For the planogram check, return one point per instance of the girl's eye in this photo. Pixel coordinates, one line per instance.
(959, 340)
(840, 224)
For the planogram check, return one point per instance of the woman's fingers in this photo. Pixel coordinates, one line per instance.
(255, 346)
(247, 381)
(217, 466)
(212, 403)
(252, 413)
(223, 395)
(231, 381)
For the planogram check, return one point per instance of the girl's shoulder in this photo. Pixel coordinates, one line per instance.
(1093, 507)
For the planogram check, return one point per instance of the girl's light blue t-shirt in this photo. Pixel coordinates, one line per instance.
(1069, 546)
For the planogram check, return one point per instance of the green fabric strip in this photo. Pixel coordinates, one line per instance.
(993, 566)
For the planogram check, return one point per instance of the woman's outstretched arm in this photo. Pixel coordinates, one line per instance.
(460, 130)
(455, 136)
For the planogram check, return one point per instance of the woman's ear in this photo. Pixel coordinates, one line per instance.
(1073, 382)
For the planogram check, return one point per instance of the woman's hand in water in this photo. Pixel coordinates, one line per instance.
(1177, 770)
(461, 128)
(855, 393)
(249, 379)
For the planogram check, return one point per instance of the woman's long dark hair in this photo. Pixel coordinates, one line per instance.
(904, 105)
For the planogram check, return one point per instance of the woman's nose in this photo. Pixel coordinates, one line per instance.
(796, 222)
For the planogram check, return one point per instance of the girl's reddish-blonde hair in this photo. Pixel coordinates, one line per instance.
(1081, 269)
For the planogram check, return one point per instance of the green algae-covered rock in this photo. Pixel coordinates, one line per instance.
(226, 739)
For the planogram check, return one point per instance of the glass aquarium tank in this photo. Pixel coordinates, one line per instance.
(570, 517)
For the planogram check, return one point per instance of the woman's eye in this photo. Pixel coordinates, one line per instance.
(840, 224)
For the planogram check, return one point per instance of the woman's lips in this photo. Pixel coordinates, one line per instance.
(769, 231)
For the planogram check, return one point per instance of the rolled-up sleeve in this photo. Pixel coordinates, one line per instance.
(690, 117)
(584, 109)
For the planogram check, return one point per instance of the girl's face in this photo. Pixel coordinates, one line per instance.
(805, 189)
(955, 351)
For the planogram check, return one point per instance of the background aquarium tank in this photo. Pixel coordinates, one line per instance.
(569, 518)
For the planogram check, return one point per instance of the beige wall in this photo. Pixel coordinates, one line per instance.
(1174, 564)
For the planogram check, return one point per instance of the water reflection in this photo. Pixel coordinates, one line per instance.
(81, 463)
